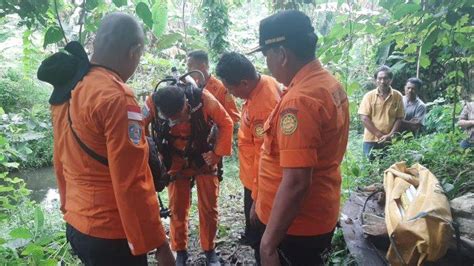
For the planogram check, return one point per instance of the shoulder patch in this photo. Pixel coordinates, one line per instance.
(134, 131)
(288, 121)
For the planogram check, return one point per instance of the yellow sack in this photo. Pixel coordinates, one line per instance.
(417, 215)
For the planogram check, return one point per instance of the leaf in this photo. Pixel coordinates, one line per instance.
(2, 241)
(21, 233)
(11, 165)
(424, 61)
(168, 40)
(2, 112)
(49, 262)
(119, 3)
(452, 17)
(355, 170)
(39, 219)
(160, 17)
(52, 35)
(429, 41)
(144, 13)
(91, 4)
(405, 9)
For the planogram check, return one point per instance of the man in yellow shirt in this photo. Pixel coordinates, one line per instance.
(381, 112)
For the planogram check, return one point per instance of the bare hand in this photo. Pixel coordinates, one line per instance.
(268, 255)
(253, 215)
(164, 256)
(211, 158)
(385, 138)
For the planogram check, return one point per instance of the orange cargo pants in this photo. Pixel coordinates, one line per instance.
(180, 202)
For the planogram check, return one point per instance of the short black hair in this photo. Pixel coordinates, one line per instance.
(169, 100)
(416, 81)
(385, 69)
(200, 56)
(234, 67)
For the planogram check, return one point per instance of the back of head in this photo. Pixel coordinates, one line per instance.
(199, 56)
(169, 100)
(291, 29)
(234, 67)
(117, 34)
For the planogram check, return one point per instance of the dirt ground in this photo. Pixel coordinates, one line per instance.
(231, 225)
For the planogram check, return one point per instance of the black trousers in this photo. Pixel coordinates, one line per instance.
(98, 251)
(251, 232)
(298, 250)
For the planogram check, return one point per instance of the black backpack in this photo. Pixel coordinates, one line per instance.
(200, 140)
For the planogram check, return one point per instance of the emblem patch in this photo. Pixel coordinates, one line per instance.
(259, 130)
(288, 122)
(134, 132)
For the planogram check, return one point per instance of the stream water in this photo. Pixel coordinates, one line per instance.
(42, 182)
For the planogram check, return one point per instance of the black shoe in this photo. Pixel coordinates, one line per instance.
(181, 258)
(212, 259)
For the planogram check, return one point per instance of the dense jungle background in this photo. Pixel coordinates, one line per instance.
(430, 39)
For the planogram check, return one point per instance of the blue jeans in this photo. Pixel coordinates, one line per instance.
(465, 144)
(367, 147)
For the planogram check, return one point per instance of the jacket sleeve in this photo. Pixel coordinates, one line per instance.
(132, 182)
(58, 165)
(148, 112)
(231, 107)
(257, 137)
(215, 111)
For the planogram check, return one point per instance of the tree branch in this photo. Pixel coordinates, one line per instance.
(82, 20)
(59, 21)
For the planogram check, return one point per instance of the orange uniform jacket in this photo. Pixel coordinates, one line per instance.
(308, 128)
(114, 202)
(255, 112)
(216, 88)
(213, 110)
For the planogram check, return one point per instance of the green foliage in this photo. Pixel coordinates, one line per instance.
(53, 35)
(160, 17)
(143, 11)
(216, 23)
(31, 11)
(439, 118)
(26, 235)
(439, 152)
(25, 121)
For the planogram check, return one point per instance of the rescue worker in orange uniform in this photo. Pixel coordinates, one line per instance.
(304, 142)
(100, 152)
(199, 60)
(261, 93)
(173, 105)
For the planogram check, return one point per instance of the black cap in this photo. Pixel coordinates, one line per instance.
(284, 26)
(64, 71)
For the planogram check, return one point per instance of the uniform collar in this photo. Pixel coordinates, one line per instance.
(106, 70)
(314, 65)
(389, 94)
(210, 81)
